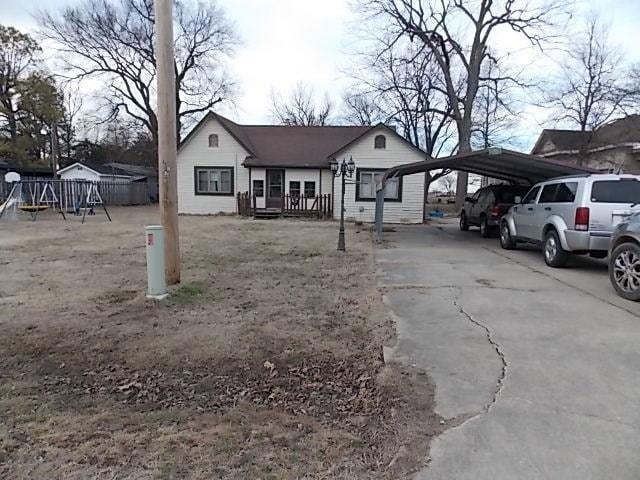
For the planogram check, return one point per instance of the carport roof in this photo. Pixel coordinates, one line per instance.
(498, 163)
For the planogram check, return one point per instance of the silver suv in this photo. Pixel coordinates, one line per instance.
(574, 214)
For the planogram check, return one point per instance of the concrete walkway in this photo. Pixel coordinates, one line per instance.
(537, 370)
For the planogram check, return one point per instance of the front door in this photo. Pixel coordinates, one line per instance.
(275, 188)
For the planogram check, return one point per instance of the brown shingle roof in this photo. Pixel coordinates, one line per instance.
(624, 130)
(567, 139)
(287, 146)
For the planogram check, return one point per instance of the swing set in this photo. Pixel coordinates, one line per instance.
(78, 197)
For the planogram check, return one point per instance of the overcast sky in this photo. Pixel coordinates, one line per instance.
(290, 41)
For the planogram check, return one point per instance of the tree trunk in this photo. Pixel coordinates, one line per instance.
(464, 146)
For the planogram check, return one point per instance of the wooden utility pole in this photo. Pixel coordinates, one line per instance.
(167, 143)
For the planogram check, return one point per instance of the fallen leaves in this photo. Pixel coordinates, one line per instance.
(321, 386)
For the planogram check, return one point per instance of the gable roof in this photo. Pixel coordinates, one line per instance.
(98, 168)
(390, 130)
(111, 169)
(622, 131)
(561, 139)
(136, 170)
(290, 146)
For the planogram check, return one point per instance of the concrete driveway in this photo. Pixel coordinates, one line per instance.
(537, 370)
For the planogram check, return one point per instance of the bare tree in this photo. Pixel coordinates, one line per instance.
(113, 41)
(459, 34)
(448, 182)
(301, 108)
(72, 101)
(406, 88)
(495, 113)
(360, 108)
(592, 87)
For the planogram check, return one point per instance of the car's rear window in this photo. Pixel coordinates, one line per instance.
(625, 190)
(508, 195)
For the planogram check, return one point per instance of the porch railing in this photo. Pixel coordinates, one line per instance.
(319, 206)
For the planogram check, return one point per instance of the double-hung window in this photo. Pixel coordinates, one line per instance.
(309, 189)
(294, 189)
(366, 186)
(214, 180)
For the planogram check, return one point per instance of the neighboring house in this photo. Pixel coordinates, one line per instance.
(139, 173)
(113, 172)
(614, 147)
(220, 158)
(25, 170)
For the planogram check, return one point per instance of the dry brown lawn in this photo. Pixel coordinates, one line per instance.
(265, 363)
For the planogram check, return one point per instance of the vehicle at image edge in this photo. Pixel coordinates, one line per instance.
(575, 214)
(624, 258)
(487, 206)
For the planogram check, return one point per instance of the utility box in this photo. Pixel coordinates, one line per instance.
(156, 284)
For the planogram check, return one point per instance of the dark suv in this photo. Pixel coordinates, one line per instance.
(487, 206)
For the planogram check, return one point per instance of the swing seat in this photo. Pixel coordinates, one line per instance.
(33, 208)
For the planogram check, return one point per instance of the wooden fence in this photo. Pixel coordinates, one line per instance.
(70, 192)
(244, 204)
(320, 206)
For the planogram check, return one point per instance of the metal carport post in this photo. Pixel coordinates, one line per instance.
(515, 167)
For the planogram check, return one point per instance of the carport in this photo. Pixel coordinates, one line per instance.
(508, 165)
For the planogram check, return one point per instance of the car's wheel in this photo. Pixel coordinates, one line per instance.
(624, 270)
(485, 230)
(464, 225)
(554, 255)
(506, 240)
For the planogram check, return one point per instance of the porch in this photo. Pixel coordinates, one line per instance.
(318, 206)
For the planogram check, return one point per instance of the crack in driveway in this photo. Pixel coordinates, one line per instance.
(454, 422)
(462, 419)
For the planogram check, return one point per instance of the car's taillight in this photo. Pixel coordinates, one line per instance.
(495, 211)
(582, 218)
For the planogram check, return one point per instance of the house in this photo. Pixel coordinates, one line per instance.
(26, 170)
(219, 159)
(114, 172)
(613, 147)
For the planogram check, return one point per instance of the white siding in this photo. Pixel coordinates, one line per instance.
(259, 174)
(327, 182)
(196, 152)
(305, 175)
(397, 152)
(294, 174)
(80, 173)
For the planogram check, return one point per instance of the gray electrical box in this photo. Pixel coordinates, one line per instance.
(156, 284)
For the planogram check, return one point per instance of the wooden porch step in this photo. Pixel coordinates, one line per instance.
(267, 213)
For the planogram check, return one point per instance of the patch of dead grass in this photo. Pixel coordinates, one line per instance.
(215, 378)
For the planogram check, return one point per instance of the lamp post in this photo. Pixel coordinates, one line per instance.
(344, 170)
